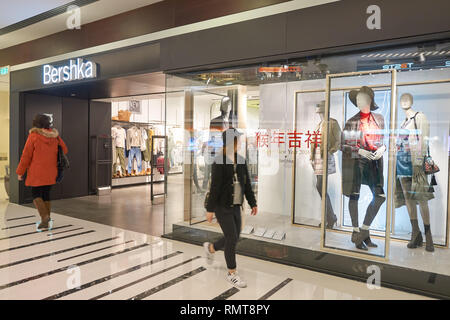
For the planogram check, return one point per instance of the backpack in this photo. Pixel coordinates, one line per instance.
(62, 163)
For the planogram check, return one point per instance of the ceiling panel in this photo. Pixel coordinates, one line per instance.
(15, 11)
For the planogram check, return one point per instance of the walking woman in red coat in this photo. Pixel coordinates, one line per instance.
(39, 160)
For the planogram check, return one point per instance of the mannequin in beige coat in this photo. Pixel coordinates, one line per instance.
(413, 190)
(334, 144)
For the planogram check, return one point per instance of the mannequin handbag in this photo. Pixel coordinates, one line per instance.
(429, 166)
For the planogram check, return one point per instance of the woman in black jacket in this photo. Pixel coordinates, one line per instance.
(230, 181)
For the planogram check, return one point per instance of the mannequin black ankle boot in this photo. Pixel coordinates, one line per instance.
(416, 236)
(355, 236)
(429, 246)
(363, 235)
(331, 222)
(368, 242)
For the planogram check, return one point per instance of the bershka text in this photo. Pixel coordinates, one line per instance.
(76, 70)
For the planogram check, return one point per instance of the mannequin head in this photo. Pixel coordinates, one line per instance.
(363, 101)
(406, 101)
(225, 106)
(320, 107)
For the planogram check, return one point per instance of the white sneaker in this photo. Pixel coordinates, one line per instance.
(209, 255)
(236, 280)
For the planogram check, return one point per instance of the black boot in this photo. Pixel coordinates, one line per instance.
(416, 235)
(331, 222)
(360, 240)
(429, 239)
(369, 243)
(355, 236)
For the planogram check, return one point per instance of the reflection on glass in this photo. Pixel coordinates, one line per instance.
(317, 153)
(412, 186)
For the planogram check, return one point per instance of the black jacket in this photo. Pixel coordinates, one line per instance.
(221, 192)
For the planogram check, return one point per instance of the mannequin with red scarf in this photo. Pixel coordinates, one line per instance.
(363, 150)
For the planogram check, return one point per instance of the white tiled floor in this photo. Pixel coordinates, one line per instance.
(47, 276)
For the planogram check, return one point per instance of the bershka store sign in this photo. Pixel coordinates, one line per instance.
(78, 69)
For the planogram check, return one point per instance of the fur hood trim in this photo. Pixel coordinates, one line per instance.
(53, 133)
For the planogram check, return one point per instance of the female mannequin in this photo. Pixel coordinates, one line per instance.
(362, 162)
(412, 184)
(317, 150)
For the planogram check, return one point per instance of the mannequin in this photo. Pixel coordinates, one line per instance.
(221, 123)
(362, 159)
(317, 150)
(119, 136)
(216, 127)
(412, 186)
(134, 143)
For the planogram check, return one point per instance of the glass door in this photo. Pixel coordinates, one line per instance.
(359, 132)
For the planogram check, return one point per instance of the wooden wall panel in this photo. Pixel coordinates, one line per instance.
(156, 17)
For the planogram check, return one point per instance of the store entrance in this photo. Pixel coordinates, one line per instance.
(122, 145)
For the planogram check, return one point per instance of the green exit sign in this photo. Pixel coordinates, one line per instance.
(3, 71)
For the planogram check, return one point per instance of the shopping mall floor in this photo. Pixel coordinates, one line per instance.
(99, 257)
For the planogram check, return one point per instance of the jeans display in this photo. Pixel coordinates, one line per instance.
(135, 152)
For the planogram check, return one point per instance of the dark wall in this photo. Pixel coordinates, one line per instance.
(333, 27)
(118, 63)
(71, 119)
(100, 149)
(75, 134)
(148, 19)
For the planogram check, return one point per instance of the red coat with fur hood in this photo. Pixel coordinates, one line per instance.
(39, 157)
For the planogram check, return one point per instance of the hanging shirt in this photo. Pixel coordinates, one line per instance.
(134, 138)
(370, 139)
(144, 139)
(119, 136)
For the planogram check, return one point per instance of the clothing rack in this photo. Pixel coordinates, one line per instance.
(129, 124)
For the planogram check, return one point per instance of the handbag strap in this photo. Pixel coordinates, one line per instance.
(415, 125)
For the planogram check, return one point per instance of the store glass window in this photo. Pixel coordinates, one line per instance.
(385, 192)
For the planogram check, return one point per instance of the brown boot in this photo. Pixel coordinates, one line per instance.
(43, 212)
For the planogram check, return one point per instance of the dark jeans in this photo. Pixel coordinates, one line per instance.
(230, 222)
(329, 209)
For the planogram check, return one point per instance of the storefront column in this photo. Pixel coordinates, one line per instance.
(188, 155)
